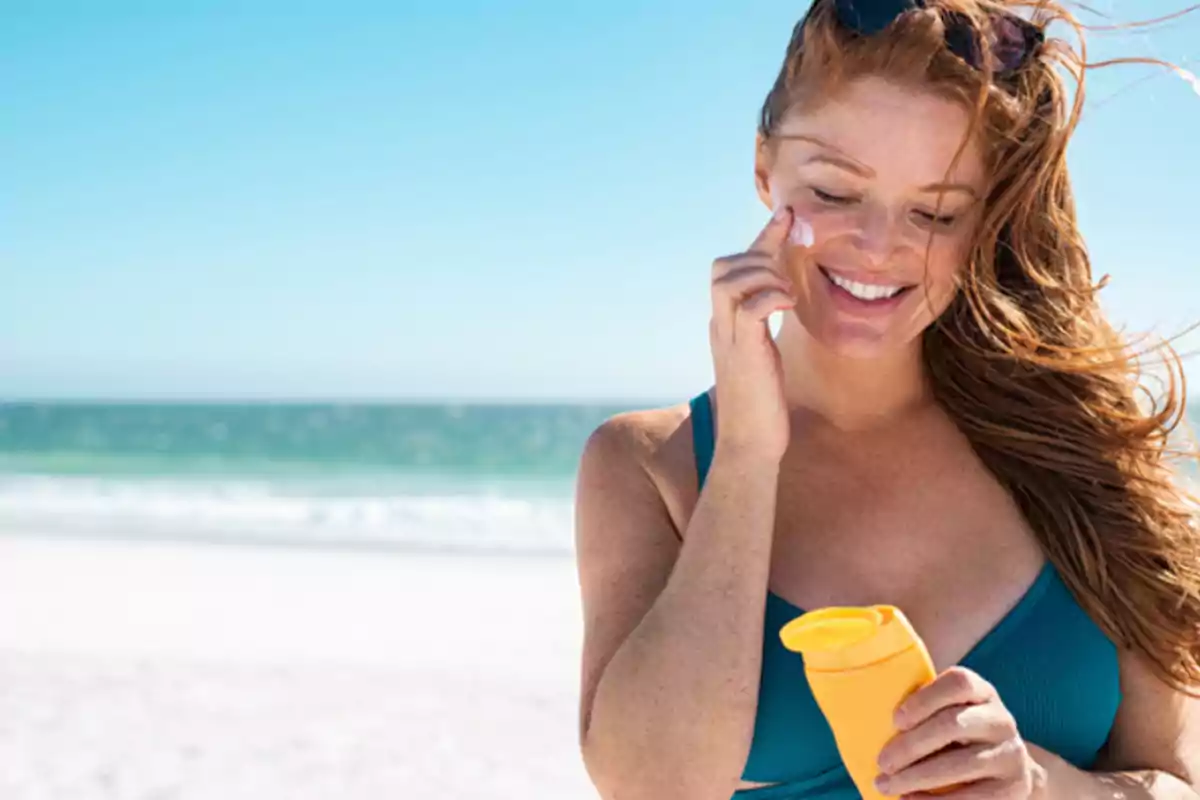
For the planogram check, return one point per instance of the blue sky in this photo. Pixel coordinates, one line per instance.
(449, 199)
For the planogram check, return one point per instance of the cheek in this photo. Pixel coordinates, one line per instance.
(944, 265)
(943, 273)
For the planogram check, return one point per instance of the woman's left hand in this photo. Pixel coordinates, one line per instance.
(956, 733)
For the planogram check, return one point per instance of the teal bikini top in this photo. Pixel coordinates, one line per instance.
(1054, 668)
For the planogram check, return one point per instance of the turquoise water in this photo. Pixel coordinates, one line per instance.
(442, 477)
(431, 476)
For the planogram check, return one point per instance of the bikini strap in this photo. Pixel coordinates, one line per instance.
(702, 435)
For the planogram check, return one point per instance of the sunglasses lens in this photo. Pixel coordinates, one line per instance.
(868, 17)
(961, 38)
(1012, 38)
(1015, 39)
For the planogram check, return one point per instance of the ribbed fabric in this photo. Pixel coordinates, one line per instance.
(1054, 668)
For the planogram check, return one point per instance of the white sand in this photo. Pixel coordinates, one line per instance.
(179, 672)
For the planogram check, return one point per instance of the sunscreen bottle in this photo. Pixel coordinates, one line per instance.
(861, 663)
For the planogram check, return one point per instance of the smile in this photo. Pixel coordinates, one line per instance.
(867, 292)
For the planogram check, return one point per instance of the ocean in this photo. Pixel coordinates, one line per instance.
(496, 478)
(432, 477)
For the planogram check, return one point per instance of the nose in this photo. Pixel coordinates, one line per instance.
(875, 233)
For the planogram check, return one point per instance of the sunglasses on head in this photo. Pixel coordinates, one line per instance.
(1013, 39)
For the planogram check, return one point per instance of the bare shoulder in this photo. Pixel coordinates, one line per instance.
(655, 444)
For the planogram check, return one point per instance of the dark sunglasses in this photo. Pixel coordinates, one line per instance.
(1013, 39)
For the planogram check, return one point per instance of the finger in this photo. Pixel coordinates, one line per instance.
(742, 282)
(751, 258)
(756, 308)
(954, 687)
(957, 765)
(986, 722)
(731, 291)
(771, 238)
(989, 789)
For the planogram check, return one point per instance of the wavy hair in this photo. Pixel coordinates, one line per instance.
(1049, 394)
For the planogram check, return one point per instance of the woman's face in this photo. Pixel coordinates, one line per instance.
(870, 172)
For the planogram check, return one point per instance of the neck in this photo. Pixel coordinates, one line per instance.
(850, 393)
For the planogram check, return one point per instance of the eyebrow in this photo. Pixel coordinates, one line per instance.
(838, 158)
(942, 188)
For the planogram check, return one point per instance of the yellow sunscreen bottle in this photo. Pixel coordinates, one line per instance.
(861, 663)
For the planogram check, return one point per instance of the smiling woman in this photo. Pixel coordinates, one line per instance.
(946, 423)
(855, 293)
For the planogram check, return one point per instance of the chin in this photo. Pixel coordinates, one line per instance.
(854, 339)
(861, 346)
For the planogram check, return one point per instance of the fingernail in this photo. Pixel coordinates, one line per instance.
(780, 211)
(881, 783)
(801, 234)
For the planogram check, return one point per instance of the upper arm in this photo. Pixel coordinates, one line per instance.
(626, 544)
(1157, 727)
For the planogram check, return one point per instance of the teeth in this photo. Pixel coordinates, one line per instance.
(864, 291)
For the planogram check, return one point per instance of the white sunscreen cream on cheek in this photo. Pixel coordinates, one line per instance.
(801, 233)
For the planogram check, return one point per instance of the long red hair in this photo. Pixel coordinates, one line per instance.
(1024, 360)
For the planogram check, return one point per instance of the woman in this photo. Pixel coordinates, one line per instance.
(944, 422)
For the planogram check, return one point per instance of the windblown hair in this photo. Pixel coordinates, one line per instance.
(1049, 394)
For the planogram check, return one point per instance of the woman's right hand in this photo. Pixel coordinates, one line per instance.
(746, 289)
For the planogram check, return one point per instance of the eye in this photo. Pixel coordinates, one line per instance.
(934, 220)
(833, 199)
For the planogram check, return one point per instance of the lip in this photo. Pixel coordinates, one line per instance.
(845, 301)
(861, 277)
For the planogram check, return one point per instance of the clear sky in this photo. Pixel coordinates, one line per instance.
(449, 199)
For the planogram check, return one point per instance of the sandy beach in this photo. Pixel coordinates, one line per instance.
(180, 672)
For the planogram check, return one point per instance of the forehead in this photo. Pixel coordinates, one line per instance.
(891, 129)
